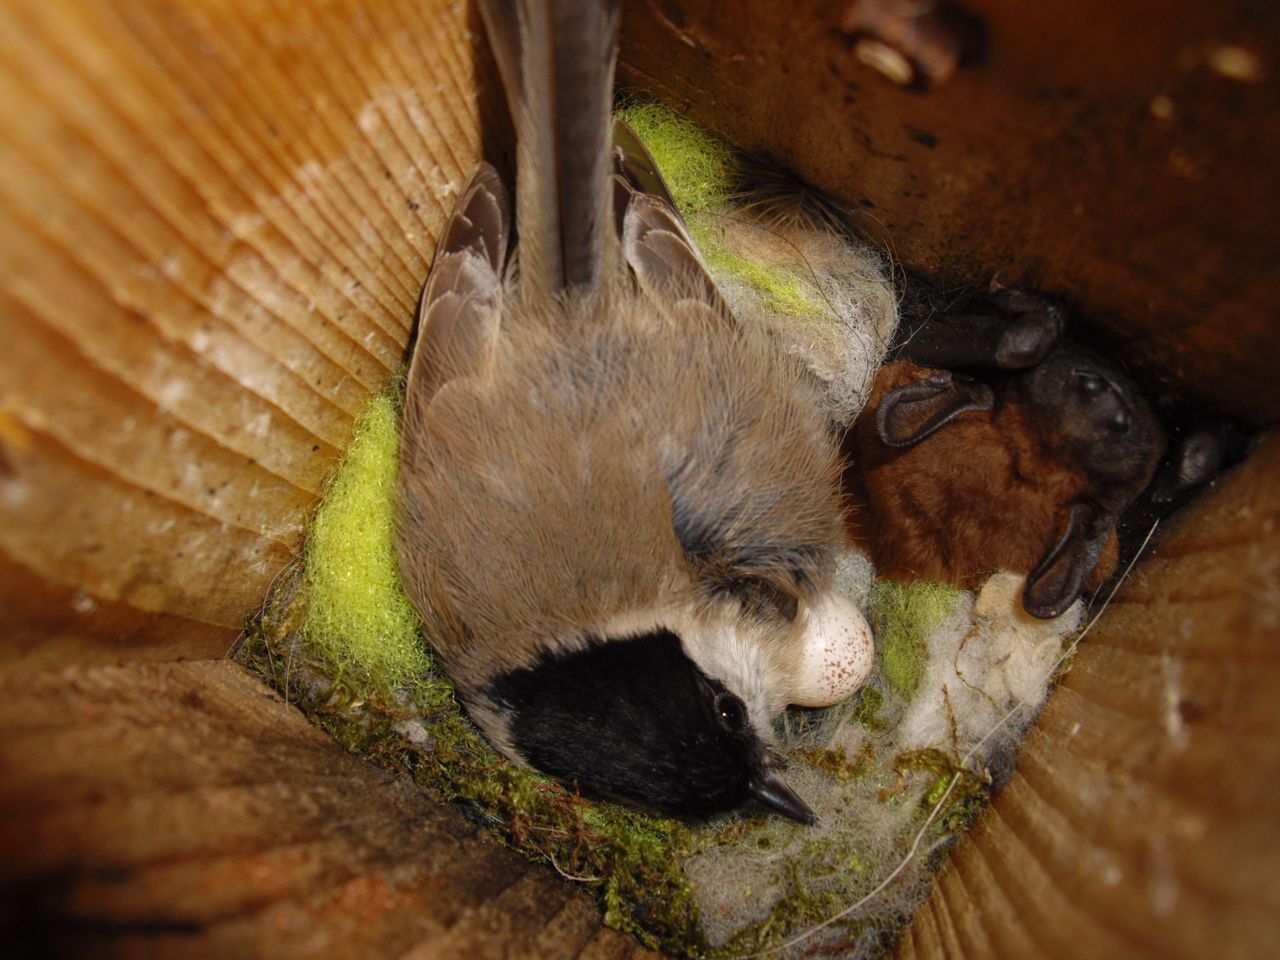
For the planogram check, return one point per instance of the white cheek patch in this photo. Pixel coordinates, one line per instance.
(834, 655)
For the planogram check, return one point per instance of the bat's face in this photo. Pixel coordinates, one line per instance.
(1099, 413)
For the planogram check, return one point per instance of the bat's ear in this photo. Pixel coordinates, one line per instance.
(910, 413)
(1196, 459)
(1056, 582)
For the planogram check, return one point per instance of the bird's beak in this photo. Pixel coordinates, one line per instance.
(776, 795)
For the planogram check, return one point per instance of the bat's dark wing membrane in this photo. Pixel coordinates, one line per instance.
(1057, 581)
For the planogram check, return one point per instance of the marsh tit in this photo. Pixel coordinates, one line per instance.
(618, 510)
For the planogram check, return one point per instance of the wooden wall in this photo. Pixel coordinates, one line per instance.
(1144, 816)
(1122, 154)
(214, 221)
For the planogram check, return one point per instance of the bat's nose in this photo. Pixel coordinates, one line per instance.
(1118, 420)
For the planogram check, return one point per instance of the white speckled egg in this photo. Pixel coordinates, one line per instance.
(835, 653)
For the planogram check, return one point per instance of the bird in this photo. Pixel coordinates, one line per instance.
(617, 509)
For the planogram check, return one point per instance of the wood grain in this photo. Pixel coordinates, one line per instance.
(215, 219)
(45, 626)
(183, 810)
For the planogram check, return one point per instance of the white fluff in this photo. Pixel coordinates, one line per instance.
(851, 310)
(984, 658)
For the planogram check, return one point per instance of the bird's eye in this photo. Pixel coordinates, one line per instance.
(731, 711)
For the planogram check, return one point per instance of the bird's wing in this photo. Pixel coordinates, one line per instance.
(458, 315)
(655, 241)
(636, 166)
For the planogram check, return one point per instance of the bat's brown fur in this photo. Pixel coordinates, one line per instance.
(987, 492)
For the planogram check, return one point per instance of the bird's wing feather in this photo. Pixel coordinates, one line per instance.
(635, 164)
(658, 248)
(655, 241)
(458, 315)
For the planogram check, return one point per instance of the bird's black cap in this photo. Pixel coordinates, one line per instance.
(634, 718)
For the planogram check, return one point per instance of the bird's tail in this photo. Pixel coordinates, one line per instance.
(556, 58)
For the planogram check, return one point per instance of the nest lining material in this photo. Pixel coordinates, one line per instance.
(339, 637)
(779, 256)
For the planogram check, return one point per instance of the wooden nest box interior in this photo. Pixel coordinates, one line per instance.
(215, 220)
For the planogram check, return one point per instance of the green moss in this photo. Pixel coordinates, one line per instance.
(696, 166)
(804, 904)
(698, 169)
(904, 614)
(867, 710)
(339, 638)
(836, 763)
(359, 619)
(966, 798)
(783, 292)
(629, 859)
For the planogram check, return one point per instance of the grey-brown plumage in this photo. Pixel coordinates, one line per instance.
(615, 504)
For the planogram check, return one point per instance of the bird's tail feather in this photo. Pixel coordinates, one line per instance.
(556, 59)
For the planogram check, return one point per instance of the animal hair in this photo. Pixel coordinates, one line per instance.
(783, 257)
(776, 197)
(872, 774)
(979, 495)
(1024, 462)
(824, 298)
(897, 891)
(578, 415)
